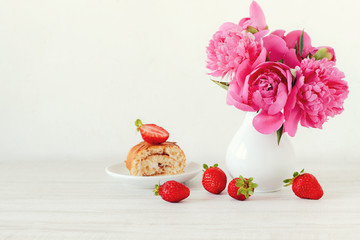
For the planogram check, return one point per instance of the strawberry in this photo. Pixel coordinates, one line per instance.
(152, 133)
(172, 191)
(241, 188)
(214, 179)
(305, 185)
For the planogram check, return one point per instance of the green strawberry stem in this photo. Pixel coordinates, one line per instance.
(156, 190)
(138, 124)
(245, 186)
(205, 166)
(291, 180)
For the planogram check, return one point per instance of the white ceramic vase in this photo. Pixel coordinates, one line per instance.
(252, 154)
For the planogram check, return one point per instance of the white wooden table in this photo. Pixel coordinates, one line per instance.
(77, 200)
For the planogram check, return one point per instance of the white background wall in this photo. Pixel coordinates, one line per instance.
(74, 75)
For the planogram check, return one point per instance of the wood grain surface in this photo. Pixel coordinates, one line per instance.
(77, 200)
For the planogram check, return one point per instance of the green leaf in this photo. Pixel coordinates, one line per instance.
(279, 134)
(246, 195)
(241, 190)
(216, 165)
(224, 85)
(254, 185)
(302, 170)
(205, 166)
(296, 48)
(301, 43)
(295, 174)
(286, 181)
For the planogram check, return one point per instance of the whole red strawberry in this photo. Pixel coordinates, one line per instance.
(305, 185)
(152, 133)
(214, 179)
(172, 191)
(241, 188)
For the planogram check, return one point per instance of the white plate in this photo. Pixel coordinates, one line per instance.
(120, 171)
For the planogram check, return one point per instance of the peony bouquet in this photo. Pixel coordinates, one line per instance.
(279, 75)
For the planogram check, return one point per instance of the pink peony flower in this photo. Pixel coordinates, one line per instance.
(266, 88)
(282, 47)
(229, 48)
(256, 23)
(319, 92)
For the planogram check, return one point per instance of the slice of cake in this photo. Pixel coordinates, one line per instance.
(146, 159)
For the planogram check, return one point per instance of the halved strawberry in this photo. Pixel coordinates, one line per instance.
(152, 133)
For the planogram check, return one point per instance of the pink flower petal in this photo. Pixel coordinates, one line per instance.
(289, 77)
(291, 112)
(291, 59)
(245, 92)
(293, 38)
(275, 46)
(257, 98)
(245, 22)
(280, 102)
(267, 124)
(291, 124)
(261, 58)
(279, 33)
(229, 26)
(259, 35)
(243, 107)
(243, 70)
(257, 15)
(233, 99)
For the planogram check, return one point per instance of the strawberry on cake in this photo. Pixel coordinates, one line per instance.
(154, 156)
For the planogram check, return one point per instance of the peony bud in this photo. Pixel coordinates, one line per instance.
(325, 52)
